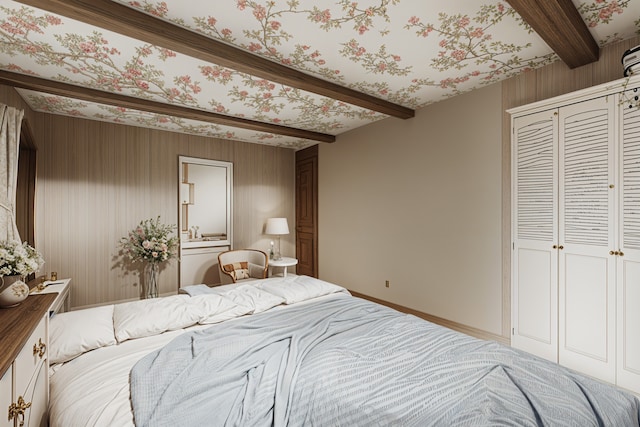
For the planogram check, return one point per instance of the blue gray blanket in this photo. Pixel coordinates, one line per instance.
(349, 362)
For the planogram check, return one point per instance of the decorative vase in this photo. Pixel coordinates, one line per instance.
(13, 291)
(151, 280)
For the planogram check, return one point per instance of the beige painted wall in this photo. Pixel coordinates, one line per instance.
(437, 183)
(418, 203)
(97, 180)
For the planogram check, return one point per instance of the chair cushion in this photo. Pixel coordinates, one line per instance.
(237, 270)
(257, 271)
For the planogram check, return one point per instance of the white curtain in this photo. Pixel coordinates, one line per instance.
(10, 124)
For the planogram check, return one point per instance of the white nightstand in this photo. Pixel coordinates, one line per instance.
(283, 263)
(61, 287)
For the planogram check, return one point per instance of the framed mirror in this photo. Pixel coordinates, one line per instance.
(205, 202)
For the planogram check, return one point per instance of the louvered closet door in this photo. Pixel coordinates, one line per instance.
(586, 226)
(534, 262)
(628, 265)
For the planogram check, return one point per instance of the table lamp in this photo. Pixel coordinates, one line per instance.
(277, 227)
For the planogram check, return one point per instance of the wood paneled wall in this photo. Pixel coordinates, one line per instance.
(97, 180)
(9, 96)
(543, 83)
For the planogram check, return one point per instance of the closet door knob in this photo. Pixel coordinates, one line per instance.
(620, 253)
(561, 247)
(612, 253)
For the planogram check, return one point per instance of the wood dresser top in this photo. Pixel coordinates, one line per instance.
(17, 323)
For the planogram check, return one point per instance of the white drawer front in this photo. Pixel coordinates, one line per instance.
(6, 398)
(38, 395)
(31, 357)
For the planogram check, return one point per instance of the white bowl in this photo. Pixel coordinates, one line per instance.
(12, 291)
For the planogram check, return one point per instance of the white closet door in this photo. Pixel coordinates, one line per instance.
(535, 232)
(628, 268)
(586, 270)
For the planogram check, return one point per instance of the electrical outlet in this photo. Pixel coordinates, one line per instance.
(386, 283)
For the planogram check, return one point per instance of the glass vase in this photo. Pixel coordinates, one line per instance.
(151, 280)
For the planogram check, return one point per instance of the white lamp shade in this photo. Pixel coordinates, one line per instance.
(276, 226)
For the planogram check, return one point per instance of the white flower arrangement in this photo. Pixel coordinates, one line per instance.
(150, 241)
(18, 258)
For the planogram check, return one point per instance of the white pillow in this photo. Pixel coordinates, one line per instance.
(299, 288)
(76, 332)
(253, 297)
(154, 316)
(216, 308)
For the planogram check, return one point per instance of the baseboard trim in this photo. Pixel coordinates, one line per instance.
(474, 332)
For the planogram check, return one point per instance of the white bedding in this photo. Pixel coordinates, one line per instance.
(93, 388)
(350, 362)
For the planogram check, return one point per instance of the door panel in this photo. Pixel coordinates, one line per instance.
(535, 232)
(587, 171)
(584, 305)
(587, 235)
(628, 265)
(587, 314)
(304, 251)
(535, 301)
(628, 372)
(307, 211)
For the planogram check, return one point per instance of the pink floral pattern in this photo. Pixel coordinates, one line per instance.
(94, 111)
(398, 50)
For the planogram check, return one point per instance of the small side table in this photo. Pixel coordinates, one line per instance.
(283, 263)
(61, 287)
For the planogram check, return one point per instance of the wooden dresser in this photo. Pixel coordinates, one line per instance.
(24, 380)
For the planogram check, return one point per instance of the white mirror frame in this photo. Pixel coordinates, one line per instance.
(182, 210)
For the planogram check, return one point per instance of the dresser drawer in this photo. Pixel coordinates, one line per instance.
(37, 394)
(31, 357)
(6, 397)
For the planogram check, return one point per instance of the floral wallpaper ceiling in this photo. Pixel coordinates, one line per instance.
(409, 52)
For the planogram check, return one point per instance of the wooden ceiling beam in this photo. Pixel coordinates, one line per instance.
(93, 95)
(116, 17)
(560, 25)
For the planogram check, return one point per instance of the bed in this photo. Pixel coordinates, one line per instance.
(300, 351)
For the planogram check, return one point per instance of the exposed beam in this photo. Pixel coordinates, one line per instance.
(92, 95)
(560, 25)
(116, 17)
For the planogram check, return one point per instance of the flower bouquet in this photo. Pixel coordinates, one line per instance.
(151, 242)
(17, 260)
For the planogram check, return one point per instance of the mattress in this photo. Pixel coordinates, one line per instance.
(89, 373)
(300, 351)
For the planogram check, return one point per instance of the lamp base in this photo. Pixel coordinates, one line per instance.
(277, 256)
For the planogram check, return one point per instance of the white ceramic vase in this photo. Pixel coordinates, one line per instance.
(13, 291)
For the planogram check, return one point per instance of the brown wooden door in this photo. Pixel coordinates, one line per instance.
(307, 211)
